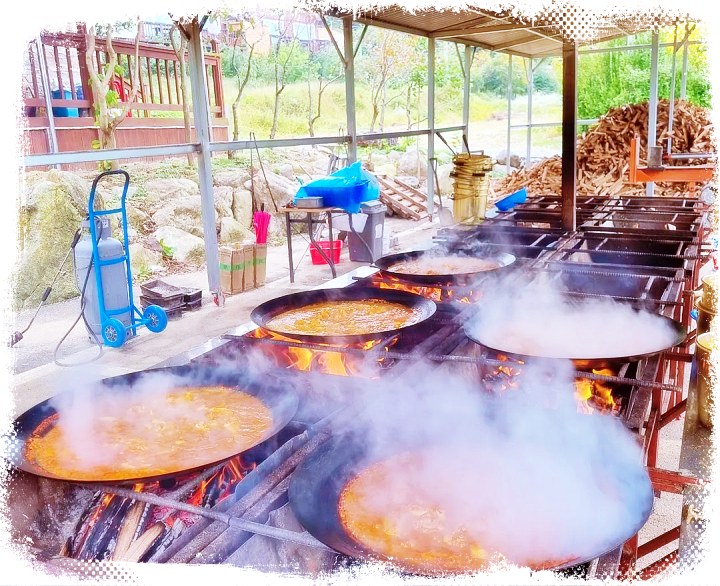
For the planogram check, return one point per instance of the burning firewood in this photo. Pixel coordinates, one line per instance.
(603, 153)
(141, 545)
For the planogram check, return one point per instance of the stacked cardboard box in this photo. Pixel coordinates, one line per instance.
(242, 267)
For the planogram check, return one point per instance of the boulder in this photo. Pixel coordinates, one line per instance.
(233, 231)
(388, 170)
(515, 160)
(181, 245)
(234, 178)
(242, 206)
(446, 184)
(160, 191)
(139, 220)
(144, 261)
(395, 156)
(223, 200)
(282, 190)
(287, 170)
(184, 213)
(412, 164)
(45, 232)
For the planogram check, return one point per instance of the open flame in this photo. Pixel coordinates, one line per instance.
(331, 361)
(597, 395)
(437, 293)
(592, 395)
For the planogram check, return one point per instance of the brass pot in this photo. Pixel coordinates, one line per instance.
(706, 344)
(710, 284)
(705, 318)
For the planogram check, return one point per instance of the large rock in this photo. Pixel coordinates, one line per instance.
(45, 232)
(159, 191)
(234, 178)
(223, 200)
(446, 184)
(242, 206)
(287, 170)
(411, 163)
(144, 262)
(184, 213)
(75, 188)
(181, 245)
(281, 190)
(515, 160)
(232, 231)
(387, 169)
(139, 220)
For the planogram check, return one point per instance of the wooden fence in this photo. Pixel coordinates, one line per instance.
(155, 118)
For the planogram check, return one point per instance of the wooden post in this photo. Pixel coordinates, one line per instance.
(569, 135)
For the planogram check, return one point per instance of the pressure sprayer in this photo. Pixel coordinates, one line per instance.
(106, 295)
(108, 305)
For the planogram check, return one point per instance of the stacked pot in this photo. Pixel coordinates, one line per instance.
(707, 343)
(471, 182)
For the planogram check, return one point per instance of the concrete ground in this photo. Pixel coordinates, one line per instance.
(36, 377)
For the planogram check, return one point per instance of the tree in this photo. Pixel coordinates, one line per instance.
(386, 54)
(105, 100)
(179, 44)
(286, 47)
(242, 50)
(326, 68)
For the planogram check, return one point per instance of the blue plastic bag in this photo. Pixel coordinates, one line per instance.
(345, 189)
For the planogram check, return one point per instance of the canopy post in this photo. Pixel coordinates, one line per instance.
(431, 127)
(350, 88)
(201, 119)
(652, 109)
(569, 135)
(466, 96)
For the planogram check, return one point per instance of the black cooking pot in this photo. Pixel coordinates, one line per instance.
(280, 398)
(318, 482)
(265, 312)
(385, 264)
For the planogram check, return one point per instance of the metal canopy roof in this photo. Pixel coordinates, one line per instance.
(499, 31)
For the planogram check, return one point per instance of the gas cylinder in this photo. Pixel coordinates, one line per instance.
(114, 276)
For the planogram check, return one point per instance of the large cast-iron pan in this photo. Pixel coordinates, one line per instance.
(316, 485)
(385, 263)
(279, 397)
(264, 312)
(582, 362)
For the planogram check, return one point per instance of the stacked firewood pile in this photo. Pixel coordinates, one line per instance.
(603, 153)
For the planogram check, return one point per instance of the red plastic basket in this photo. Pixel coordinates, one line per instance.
(318, 259)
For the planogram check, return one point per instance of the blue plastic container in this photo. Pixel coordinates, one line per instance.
(66, 112)
(509, 202)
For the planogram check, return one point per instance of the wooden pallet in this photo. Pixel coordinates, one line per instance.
(402, 199)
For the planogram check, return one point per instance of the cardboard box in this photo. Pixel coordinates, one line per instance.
(249, 273)
(232, 269)
(260, 264)
(225, 259)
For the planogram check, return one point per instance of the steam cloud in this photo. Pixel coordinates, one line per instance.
(524, 473)
(537, 321)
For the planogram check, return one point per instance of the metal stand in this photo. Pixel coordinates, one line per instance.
(310, 221)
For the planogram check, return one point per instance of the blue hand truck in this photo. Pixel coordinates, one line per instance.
(114, 332)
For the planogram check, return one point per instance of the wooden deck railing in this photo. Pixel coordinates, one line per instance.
(159, 89)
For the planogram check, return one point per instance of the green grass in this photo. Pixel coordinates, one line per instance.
(488, 114)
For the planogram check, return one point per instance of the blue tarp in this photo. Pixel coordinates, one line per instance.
(345, 189)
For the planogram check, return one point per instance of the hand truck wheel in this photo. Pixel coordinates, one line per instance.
(113, 333)
(155, 318)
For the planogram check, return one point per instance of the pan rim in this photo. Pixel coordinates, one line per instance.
(282, 402)
(264, 312)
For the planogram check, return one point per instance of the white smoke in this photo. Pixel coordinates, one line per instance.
(523, 473)
(538, 321)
